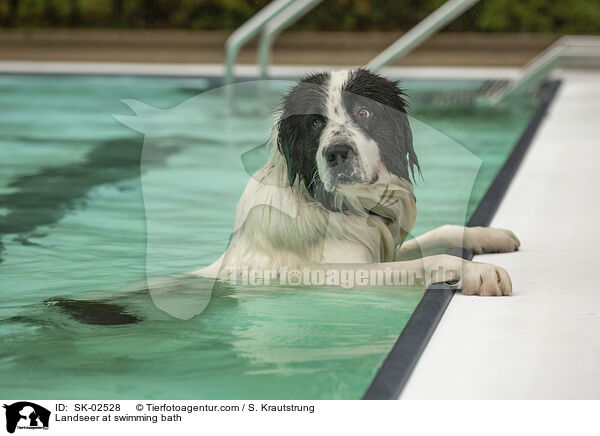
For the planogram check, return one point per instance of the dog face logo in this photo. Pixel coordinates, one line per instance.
(26, 415)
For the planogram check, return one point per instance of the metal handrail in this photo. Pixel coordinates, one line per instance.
(277, 25)
(431, 24)
(280, 14)
(568, 49)
(247, 31)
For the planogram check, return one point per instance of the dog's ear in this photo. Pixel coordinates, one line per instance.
(298, 149)
(404, 160)
(403, 130)
(295, 140)
(288, 137)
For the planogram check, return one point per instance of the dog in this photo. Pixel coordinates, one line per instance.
(336, 193)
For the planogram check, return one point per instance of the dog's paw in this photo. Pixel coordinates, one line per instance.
(490, 240)
(474, 278)
(484, 279)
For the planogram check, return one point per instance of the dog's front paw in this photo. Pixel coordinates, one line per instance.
(474, 278)
(490, 240)
(485, 279)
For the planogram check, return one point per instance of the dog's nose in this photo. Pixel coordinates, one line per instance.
(337, 154)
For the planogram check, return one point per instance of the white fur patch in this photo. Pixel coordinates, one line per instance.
(341, 124)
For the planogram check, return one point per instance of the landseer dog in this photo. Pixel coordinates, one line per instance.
(336, 193)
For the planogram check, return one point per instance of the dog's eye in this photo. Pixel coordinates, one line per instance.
(363, 114)
(317, 123)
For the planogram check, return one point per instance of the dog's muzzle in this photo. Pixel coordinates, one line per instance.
(338, 155)
(342, 163)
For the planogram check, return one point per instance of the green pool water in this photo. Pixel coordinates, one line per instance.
(94, 197)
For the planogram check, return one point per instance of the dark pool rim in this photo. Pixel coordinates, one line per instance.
(395, 371)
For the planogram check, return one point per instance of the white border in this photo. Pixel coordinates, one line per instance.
(217, 70)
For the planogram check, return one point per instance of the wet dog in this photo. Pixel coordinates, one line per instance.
(336, 192)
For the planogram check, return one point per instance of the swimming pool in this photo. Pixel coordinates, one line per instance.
(89, 205)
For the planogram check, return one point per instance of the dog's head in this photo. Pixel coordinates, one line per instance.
(342, 131)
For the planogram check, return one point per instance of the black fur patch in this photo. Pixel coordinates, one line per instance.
(388, 124)
(95, 312)
(298, 139)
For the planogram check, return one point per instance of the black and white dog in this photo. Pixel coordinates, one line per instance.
(336, 193)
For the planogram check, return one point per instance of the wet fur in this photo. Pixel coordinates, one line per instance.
(296, 212)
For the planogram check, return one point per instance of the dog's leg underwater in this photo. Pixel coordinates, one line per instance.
(179, 296)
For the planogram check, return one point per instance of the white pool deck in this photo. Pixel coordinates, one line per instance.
(544, 341)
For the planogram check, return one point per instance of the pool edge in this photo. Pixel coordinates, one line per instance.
(394, 372)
